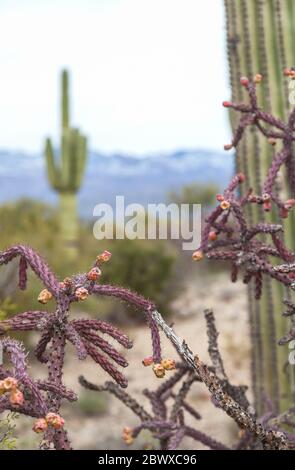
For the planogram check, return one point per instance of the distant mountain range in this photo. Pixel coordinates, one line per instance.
(140, 179)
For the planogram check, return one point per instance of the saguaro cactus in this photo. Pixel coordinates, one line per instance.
(66, 175)
(260, 37)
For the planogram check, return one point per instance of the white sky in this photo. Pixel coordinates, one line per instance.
(147, 75)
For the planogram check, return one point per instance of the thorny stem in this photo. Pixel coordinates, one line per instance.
(270, 439)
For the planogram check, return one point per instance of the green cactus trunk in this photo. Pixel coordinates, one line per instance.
(66, 173)
(259, 39)
(69, 222)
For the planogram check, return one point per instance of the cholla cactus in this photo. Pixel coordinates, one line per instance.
(56, 329)
(231, 235)
(167, 423)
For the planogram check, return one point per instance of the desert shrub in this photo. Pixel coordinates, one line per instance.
(7, 427)
(143, 266)
(196, 193)
(89, 405)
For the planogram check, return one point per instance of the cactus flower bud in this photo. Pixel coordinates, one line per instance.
(272, 141)
(283, 213)
(94, 274)
(197, 255)
(168, 364)
(81, 293)
(212, 236)
(289, 204)
(127, 435)
(228, 146)
(103, 257)
(219, 197)
(244, 81)
(227, 104)
(267, 206)
(159, 370)
(241, 177)
(44, 296)
(10, 383)
(16, 397)
(54, 420)
(225, 205)
(127, 430)
(257, 78)
(40, 425)
(148, 361)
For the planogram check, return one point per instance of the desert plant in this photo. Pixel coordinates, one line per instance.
(167, 422)
(56, 329)
(141, 265)
(66, 175)
(7, 428)
(196, 193)
(260, 38)
(245, 244)
(42, 398)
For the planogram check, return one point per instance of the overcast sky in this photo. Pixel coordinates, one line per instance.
(146, 75)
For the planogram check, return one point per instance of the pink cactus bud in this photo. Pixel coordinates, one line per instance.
(94, 274)
(272, 141)
(81, 293)
(212, 236)
(219, 197)
(10, 383)
(148, 361)
(54, 420)
(103, 257)
(227, 104)
(228, 146)
(197, 255)
(283, 213)
(40, 426)
(241, 177)
(16, 397)
(289, 204)
(244, 81)
(267, 206)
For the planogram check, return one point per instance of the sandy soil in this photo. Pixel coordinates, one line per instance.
(103, 431)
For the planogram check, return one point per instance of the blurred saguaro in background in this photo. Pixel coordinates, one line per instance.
(66, 172)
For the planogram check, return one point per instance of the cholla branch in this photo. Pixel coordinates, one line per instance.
(56, 329)
(270, 439)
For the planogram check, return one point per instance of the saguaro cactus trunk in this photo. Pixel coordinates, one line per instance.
(66, 175)
(260, 39)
